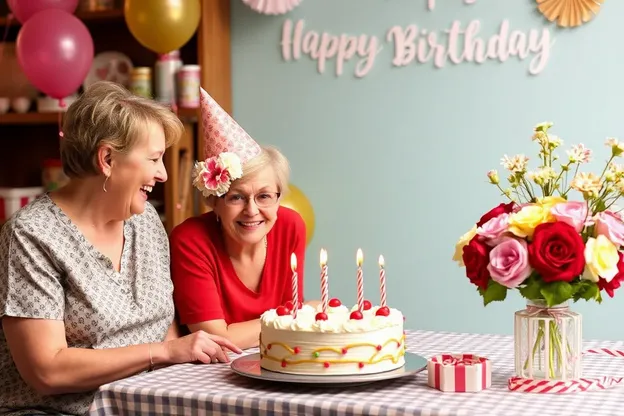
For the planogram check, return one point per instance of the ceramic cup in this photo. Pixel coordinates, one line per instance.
(21, 104)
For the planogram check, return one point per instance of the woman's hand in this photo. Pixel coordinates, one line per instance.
(199, 346)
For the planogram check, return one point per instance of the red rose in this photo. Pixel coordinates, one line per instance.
(476, 256)
(496, 211)
(557, 252)
(615, 283)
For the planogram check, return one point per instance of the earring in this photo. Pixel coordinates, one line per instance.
(104, 184)
(218, 219)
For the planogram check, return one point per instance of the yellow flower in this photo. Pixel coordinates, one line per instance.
(548, 202)
(523, 222)
(463, 241)
(601, 259)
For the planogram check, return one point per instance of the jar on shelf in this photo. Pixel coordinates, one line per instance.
(165, 71)
(52, 175)
(141, 81)
(548, 342)
(188, 86)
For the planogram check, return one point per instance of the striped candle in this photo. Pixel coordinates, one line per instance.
(295, 284)
(360, 280)
(382, 282)
(324, 281)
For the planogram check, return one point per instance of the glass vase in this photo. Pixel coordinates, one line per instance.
(547, 342)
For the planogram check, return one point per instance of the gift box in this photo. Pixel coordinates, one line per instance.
(12, 199)
(459, 372)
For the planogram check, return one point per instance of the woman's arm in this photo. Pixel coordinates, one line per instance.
(45, 362)
(243, 334)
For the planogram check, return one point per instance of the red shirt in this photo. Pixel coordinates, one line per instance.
(206, 286)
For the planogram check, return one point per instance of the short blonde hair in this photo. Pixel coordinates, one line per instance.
(107, 113)
(268, 157)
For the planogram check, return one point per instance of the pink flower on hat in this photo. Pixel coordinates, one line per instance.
(215, 175)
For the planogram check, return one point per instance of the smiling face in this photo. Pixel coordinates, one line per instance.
(245, 222)
(134, 174)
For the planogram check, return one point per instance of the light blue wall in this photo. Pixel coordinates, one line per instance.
(395, 162)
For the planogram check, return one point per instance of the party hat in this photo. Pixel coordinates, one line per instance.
(222, 133)
(227, 147)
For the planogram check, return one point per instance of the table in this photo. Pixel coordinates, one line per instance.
(198, 389)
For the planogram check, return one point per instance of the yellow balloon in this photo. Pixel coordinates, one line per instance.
(296, 200)
(162, 25)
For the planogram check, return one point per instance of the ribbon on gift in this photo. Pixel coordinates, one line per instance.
(459, 372)
(528, 385)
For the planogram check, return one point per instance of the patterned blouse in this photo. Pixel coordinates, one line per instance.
(49, 270)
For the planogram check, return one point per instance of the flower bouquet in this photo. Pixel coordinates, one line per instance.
(549, 247)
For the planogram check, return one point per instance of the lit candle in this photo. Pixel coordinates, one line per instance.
(382, 281)
(295, 284)
(360, 280)
(324, 282)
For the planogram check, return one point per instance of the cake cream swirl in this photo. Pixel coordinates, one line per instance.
(338, 321)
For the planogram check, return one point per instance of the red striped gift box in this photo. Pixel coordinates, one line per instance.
(459, 372)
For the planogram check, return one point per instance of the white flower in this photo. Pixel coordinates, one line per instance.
(516, 164)
(231, 162)
(579, 154)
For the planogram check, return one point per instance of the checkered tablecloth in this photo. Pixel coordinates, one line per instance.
(214, 389)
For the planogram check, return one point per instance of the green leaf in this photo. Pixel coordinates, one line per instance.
(584, 289)
(495, 292)
(557, 292)
(532, 288)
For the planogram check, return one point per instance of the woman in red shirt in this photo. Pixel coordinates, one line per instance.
(233, 263)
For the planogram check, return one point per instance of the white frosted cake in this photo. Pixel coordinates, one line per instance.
(334, 344)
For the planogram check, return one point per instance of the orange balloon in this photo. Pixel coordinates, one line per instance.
(296, 200)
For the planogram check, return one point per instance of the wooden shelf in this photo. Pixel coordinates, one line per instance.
(99, 16)
(189, 115)
(28, 118)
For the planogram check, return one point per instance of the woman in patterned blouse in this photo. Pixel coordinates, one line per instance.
(85, 288)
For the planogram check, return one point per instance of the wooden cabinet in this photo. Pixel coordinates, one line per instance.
(30, 138)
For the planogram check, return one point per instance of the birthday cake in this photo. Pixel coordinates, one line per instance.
(367, 339)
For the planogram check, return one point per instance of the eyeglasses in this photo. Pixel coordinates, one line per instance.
(263, 199)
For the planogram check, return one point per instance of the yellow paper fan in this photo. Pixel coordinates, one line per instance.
(569, 13)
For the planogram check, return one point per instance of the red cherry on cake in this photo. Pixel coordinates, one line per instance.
(334, 302)
(321, 316)
(282, 311)
(367, 305)
(383, 311)
(289, 305)
(356, 315)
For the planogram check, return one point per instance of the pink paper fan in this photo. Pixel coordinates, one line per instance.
(272, 6)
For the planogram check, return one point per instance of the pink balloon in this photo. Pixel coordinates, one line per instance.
(55, 51)
(25, 9)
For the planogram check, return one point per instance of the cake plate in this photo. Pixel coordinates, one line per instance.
(249, 366)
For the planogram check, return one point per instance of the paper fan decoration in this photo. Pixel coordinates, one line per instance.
(273, 7)
(569, 13)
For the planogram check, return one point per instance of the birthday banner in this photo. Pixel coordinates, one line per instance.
(414, 45)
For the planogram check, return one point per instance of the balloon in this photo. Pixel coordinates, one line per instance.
(162, 25)
(55, 51)
(296, 200)
(25, 9)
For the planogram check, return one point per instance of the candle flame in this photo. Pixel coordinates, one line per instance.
(359, 257)
(381, 261)
(293, 262)
(323, 257)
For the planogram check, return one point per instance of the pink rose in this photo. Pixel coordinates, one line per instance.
(573, 213)
(493, 229)
(611, 226)
(509, 262)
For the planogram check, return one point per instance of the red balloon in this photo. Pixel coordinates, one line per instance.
(25, 9)
(55, 51)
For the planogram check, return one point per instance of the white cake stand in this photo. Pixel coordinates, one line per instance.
(249, 366)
